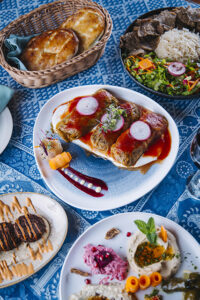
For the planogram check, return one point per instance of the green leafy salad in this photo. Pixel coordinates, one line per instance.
(172, 78)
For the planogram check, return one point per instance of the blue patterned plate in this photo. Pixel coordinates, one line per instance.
(123, 186)
(72, 283)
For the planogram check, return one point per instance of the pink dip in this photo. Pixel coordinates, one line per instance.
(102, 260)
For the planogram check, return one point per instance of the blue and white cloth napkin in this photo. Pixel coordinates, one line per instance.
(15, 45)
(6, 94)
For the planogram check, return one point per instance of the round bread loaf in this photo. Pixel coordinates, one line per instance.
(49, 49)
(89, 25)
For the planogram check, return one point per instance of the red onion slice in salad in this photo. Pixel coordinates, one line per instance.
(176, 69)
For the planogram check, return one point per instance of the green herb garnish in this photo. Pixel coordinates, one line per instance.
(113, 115)
(149, 229)
(153, 294)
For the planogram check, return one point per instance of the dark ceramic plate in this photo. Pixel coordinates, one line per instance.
(129, 29)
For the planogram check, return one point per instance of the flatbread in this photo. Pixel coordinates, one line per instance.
(49, 49)
(89, 25)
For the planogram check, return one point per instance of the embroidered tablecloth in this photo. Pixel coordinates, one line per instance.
(18, 170)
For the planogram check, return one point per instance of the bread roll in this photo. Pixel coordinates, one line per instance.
(89, 25)
(49, 49)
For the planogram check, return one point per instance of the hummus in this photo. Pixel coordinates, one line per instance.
(145, 258)
(114, 291)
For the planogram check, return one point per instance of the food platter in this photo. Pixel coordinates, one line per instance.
(6, 127)
(72, 283)
(39, 205)
(121, 189)
(129, 29)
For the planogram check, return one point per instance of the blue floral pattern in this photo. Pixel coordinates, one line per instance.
(18, 171)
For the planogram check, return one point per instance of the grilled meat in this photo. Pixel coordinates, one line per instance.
(102, 141)
(146, 32)
(148, 27)
(166, 19)
(137, 52)
(130, 41)
(148, 43)
(29, 228)
(127, 150)
(187, 17)
(8, 237)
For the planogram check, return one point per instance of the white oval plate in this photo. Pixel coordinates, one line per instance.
(6, 127)
(123, 186)
(57, 218)
(72, 283)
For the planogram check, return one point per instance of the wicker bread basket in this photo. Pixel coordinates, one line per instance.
(46, 17)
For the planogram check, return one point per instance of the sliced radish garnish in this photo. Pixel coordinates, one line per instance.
(176, 69)
(140, 131)
(119, 124)
(104, 118)
(87, 106)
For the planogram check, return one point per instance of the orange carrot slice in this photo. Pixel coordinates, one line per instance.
(145, 64)
(132, 284)
(163, 234)
(60, 161)
(144, 282)
(194, 84)
(155, 278)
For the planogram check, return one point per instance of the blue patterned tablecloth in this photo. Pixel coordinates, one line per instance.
(18, 170)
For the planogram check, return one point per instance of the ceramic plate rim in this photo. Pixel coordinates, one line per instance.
(47, 261)
(138, 213)
(148, 185)
(7, 115)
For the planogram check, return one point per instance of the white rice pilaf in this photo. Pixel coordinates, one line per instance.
(179, 45)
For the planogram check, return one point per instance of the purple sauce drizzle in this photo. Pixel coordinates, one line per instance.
(94, 181)
(80, 186)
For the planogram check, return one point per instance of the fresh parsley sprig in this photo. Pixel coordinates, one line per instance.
(149, 229)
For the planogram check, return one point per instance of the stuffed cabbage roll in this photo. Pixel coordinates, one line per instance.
(117, 120)
(127, 150)
(76, 118)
